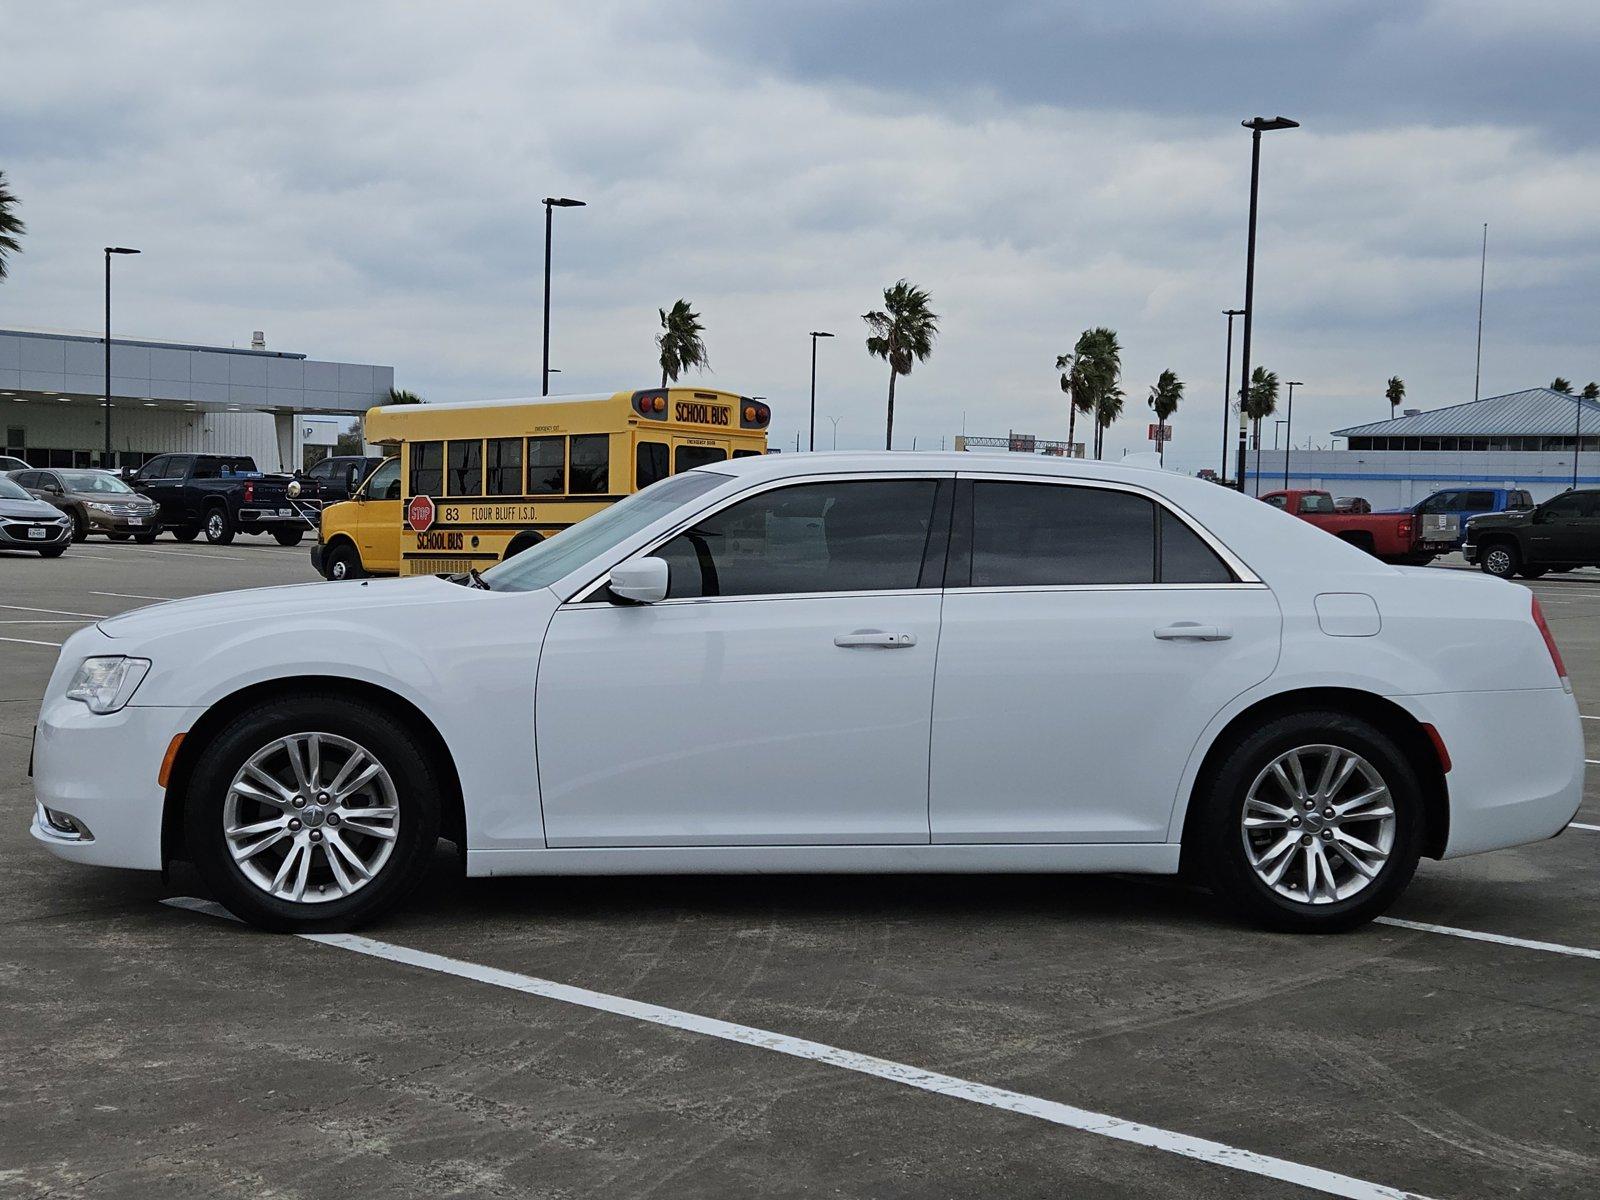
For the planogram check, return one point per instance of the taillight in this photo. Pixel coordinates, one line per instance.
(249, 492)
(1550, 644)
(1405, 529)
(660, 404)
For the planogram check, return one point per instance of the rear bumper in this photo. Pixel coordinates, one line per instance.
(268, 516)
(1517, 764)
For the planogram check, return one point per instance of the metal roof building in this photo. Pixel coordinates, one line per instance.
(1534, 419)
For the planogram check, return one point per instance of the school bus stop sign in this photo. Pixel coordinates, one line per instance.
(420, 513)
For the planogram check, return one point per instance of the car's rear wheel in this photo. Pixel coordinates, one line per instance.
(288, 537)
(1500, 559)
(1312, 824)
(218, 527)
(1533, 572)
(312, 814)
(184, 533)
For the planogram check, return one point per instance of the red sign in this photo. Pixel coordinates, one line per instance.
(1161, 433)
(420, 513)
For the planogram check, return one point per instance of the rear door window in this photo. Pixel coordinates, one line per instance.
(1047, 535)
(651, 464)
(427, 468)
(1476, 502)
(687, 458)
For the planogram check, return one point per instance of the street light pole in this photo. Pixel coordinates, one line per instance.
(815, 334)
(105, 457)
(1256, 125)
(835, 421)
(551, 203)
(1288, 433)
(1227, 386)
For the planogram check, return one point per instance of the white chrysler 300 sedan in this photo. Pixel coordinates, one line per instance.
(843, 662)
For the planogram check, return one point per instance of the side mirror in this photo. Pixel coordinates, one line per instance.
(639, 581)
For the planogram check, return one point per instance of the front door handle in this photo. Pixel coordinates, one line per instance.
(1188, 631)
(875, 637)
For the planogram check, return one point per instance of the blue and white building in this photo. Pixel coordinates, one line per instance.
(1531, 439)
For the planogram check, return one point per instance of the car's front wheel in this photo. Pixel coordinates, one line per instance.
(1500, 559)
(312, 813)
(344, 562)
(1312, 824)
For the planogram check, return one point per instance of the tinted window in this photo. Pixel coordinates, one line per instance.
(1034, 534)
(591, 465)
(505, 466)
(154, 469)
(1475, 501)
(817, 537)
(747, 454)
(206, 468)
(1316, 502)
(427, 468)
(1279, 501)
(465, 477)
(385, 482)
(1520, 500)
(650, 464)
(26, 479)
(323, 470)
(547, 466)
(1564, 507)
(687, 458)
(1185, 558)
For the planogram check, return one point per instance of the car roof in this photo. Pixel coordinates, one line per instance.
(783, 466)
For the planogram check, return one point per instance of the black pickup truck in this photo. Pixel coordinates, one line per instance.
(1562, 534)
(219, 495)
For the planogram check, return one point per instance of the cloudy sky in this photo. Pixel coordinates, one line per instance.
(362, 182)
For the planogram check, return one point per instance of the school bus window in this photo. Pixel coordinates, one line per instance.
(427, 468)
(465, 477)
(547, 466)
(591, 465)
(652, 464)
(686, 458)
(747, 454)
(504, 466)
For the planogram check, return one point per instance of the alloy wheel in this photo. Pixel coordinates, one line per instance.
(1498, 561)
(311, 817)
(1318, 824)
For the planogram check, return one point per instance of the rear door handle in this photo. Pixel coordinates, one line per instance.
(875, 637)
(1188, 631)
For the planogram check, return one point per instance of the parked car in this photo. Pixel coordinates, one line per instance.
(1351, 504)
(1445, 513)
(9, 464)
(28, 523)
(1562, 534)
(219, 495)
(734, 670)
(332, 480)
(1393, 537)
(97, 502)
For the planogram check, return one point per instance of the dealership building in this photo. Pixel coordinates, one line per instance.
(166, 396)
(1528, 439)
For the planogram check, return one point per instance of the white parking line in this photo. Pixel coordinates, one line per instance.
(1498, 938)
(132, 596)
(28, 642)
(179, 553)
(1581, 825)
(1328, 1182)
(60, 612)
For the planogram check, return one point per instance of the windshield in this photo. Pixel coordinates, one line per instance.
(92, 481)
(11, 490)
(564, 552)
(1316, 502)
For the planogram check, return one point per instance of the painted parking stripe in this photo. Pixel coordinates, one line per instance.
(132, 596)
(1329, 1182)
(1581, 825)
(1499, 939)
(179, 553)
(58, 612)
(28, 642)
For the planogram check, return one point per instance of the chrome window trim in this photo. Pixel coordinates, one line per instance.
(1237, 565)
(583, 594)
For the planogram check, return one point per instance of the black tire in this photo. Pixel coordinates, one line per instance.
(147, 537)
(218, 526)
(1500, 559)
(184, 533)
(523, 541)
(1220, 839)
(390, 743)
(80, 528)
(343, 562)
(288, 537)
(52, 551)
(1533, 572)
(117, 537)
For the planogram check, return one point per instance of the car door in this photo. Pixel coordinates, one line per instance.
(779, 695)
(151, 480)
(379, 519)
(1090, 633)
(1557, 531)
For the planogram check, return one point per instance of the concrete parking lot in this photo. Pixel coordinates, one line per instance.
(1107, 1037)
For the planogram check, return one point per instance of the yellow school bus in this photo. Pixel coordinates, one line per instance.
(474, 482)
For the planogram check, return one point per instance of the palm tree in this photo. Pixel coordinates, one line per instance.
(1075, 383)
(1561, 385)
(401, 396)
(11, 226)
(1591, 391)
(1261, 401)
(902, 334)
(1093, 366)
(680, 342)
(1395, 393)
(1164, 396)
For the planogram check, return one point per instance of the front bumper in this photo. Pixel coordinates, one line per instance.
(102, 522)
(319, 555)
(1469, 551)
(100, 771)
(16, 533)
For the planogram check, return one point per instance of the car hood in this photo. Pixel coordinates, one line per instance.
(295, 602)
(1499, 520)
(32, 509)
(138, 499)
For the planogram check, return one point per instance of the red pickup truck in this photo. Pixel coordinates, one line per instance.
(1393, 537)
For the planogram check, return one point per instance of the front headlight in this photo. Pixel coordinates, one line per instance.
(101, 508)
(107, 683)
